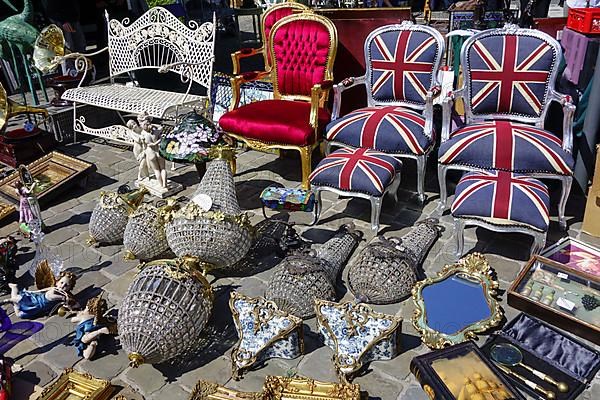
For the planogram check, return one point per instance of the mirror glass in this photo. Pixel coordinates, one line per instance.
(455, 303)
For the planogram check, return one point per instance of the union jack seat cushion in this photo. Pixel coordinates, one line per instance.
(503, 198)
(402, 65)
(357, 170)
(389, 129)
(507, 146)
(509, 74)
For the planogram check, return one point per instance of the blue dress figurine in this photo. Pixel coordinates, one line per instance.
(92, 323)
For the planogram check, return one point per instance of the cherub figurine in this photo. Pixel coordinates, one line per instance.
(53, 292)
(92, 323)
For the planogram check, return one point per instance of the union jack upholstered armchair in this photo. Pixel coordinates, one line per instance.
(302, 48)
(269, 17)
(402, 63)
(509, 76)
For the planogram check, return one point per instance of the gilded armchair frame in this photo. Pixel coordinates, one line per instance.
(317, 99)
(426, 108)
(250, 52)
(470, 117)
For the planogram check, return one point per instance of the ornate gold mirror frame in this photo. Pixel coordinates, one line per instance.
(476, 269)
(77, 385)
(284, 388)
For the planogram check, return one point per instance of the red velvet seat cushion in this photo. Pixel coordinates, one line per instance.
(274, 121)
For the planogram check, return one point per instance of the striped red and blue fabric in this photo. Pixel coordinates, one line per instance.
(389, 129)
(402, 65)
(507, 146)
(503, 196)
(509, 74)
(357, 170)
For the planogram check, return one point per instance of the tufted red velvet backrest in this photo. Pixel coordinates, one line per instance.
(270, 17)
(301, 49)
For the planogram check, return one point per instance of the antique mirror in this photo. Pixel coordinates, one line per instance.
(452, 307)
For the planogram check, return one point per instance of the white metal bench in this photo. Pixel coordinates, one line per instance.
(156, 40)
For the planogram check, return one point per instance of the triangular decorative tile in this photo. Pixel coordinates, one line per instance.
(264, 332)
(357, 334)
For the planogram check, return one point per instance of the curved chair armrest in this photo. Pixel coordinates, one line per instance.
(339, 88)
(316, 94)
(238, 80)
(447, 104)
(243, 53)
(568, 115)
(432, 93)
(82, 61)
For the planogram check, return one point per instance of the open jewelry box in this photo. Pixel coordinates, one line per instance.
(563, 296)
(546, 350)
(461, 372)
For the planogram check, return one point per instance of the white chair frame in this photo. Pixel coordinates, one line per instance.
(426, 108)
(470, 117)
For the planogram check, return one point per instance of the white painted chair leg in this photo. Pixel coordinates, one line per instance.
(566, 182)
(539, 242)
(318, 207)
(375, 212)
(442, 170)
(421, 164)
(459, 235)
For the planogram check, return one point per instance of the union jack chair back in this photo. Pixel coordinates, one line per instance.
(302, 49)
(402, 63)
(268, 18)
(508, 85)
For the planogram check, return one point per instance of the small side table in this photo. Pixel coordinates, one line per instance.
(255, 14)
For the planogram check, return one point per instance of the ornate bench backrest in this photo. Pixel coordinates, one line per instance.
(158, 38)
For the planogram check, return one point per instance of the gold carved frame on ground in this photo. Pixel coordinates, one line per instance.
(211, 391)
(286, 388)
(76, 385)
(296, 325)
(65, 168)
(477, 268)
(317, 99)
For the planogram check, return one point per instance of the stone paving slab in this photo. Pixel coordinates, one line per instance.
(45, 354)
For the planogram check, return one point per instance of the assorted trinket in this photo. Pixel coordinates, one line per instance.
(357, 334)
(29, 207)
(145, 237)
(387, 269)
(164, 311)
(8, 265)
(212, 227)
(92, 322)
(110, 216)
(301, 279)
(264, 332)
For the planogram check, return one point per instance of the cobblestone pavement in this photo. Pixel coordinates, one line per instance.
(44, 355)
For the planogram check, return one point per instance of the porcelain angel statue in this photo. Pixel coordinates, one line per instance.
(92, 324)
(135, 133)
(54, 293)
(151, 137)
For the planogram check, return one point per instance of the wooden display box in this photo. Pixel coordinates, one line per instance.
(53, 174)
(443, 373)
(552, 313)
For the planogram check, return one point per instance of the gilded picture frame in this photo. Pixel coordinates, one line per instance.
(74, 385)
(6, 210)
(474, 268)
(286, 388)
(52, 173)
(205, 390)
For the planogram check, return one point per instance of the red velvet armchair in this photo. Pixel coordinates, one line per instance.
(302, 49)
(268, 19)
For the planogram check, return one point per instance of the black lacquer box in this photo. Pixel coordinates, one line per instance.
(550, 351)
(461, 371)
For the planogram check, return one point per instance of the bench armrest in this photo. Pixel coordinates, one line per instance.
(243, 53)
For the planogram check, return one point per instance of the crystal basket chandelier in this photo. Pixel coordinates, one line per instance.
(301, 279)
(111, 214)
(145, 237)
(164, 311)
(212, 227)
